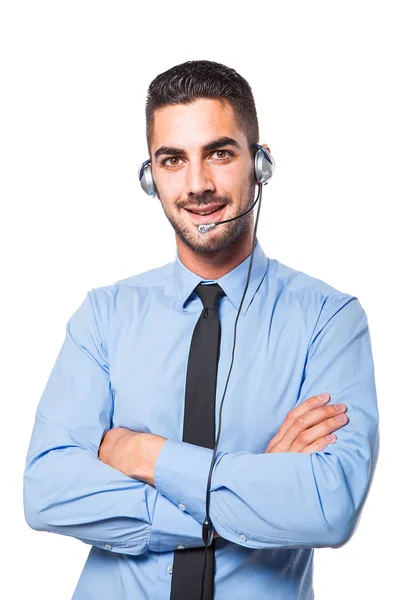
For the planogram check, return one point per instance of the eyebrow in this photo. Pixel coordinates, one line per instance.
(214, 145)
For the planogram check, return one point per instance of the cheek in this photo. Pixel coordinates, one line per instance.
(229, 181)
(170, 187)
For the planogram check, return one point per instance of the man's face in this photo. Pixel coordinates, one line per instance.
(200, 158)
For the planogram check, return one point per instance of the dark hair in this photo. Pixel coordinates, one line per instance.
(195, 79)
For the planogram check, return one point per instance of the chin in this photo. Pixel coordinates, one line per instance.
(220, 238)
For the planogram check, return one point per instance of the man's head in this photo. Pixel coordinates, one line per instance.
(201, 124)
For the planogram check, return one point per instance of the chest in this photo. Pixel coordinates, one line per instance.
(148, 368)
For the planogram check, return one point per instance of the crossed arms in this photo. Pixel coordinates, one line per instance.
(270, 500)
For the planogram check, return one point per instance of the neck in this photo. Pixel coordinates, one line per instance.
(213, 265)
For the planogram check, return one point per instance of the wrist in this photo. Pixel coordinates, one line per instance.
(147, 451)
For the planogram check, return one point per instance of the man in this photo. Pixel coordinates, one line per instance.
(107, 463)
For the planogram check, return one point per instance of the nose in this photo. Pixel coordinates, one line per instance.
(198, 178)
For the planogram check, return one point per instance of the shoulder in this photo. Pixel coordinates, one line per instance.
(150, 278)
(95, 312)
(312, 300)
(304, 287)
(139, 285)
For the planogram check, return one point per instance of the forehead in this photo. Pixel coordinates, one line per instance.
(192, 125)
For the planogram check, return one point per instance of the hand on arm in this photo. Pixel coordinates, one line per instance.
(286, 497)
(67, 489)
(133, 453)
(307, 426)
(304, 430)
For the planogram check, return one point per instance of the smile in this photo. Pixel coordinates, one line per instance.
(202, 215)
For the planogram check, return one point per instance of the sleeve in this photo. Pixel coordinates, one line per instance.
(293, 499)
(67, 489)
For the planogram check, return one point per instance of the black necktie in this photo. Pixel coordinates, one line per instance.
(199, 429)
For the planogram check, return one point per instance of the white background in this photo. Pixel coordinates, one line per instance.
(74, 77)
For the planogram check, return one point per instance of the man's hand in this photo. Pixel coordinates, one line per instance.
(131, 452)
(306, 427)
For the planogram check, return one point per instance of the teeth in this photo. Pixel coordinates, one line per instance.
(203, 213)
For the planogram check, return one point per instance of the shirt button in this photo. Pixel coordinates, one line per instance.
(169, 568)
(107, 547)
(182, 506)
(242, 538)
(180, 547)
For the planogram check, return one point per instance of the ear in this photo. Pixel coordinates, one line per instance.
(267, 147)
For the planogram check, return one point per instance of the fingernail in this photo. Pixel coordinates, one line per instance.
(331, 438)
(341, 418)
(323, 397)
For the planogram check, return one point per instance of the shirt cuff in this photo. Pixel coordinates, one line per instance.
(173, 529)
(181, 474)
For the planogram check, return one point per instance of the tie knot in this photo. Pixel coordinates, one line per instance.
(209, 294)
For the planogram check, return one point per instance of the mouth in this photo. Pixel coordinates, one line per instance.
(215, 212)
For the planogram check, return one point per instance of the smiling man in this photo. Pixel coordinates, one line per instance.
(124, 432)
(212, 173)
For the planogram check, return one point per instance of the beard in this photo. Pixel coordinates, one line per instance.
(218, 238)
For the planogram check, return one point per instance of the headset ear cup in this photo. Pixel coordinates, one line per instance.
(264, 165)
(146, 178)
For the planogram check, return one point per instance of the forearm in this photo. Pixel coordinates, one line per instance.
(291, 498)
(68, 490)
(267, 500)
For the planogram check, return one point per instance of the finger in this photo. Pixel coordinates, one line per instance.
(302, 430)
(318, 445)
(314, 433)
(299, 411)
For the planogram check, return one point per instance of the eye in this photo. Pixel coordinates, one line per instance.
(173, 158)
(226, 154)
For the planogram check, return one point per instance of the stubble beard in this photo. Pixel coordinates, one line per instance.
(220, 237)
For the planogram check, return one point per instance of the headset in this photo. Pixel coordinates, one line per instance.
(264, 167)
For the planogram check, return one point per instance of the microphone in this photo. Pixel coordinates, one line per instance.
(204, 228)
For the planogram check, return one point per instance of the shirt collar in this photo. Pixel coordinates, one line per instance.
(233, 283)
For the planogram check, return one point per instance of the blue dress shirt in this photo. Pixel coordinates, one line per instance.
(123, 364)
